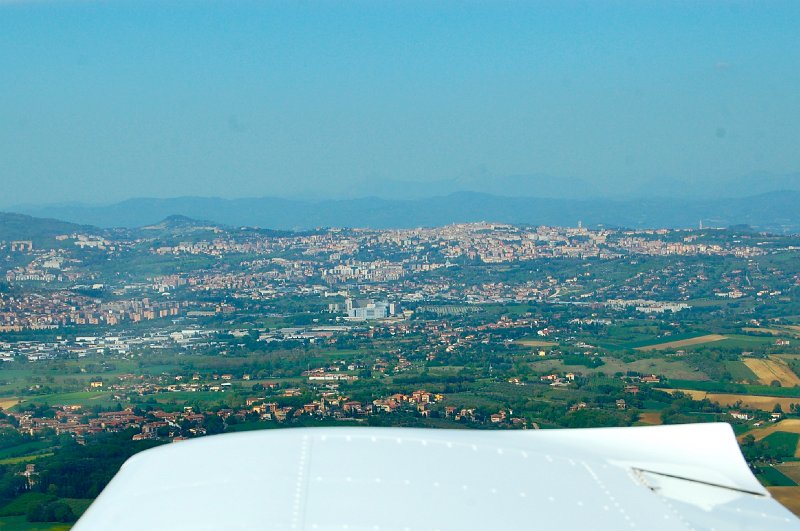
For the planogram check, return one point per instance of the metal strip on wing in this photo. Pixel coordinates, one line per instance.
(701, 482)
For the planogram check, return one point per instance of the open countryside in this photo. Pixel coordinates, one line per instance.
(8, 403)
(214, 329)
(652, 418)
(536, 343)
(708, 338)
(771, 370)
(770, 331)
(760, 402)
(788, 496)
(787, 425)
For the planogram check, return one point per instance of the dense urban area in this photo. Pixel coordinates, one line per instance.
(114, 341)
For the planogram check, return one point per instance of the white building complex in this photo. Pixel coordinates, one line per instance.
(366, 309)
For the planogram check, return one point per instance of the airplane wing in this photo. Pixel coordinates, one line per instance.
(681, 477)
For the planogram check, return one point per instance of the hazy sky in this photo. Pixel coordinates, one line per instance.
(101, 101)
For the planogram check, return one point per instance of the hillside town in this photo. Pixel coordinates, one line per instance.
(73, 282)
(186, 329)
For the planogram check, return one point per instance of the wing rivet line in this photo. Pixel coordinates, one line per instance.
(301, 483)
(608, 494)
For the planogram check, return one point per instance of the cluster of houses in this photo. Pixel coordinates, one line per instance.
(177, 425)
(73, 419)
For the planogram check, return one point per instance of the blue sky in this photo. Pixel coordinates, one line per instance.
(101, 101)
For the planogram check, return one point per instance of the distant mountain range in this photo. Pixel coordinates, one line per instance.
(547, 186)
(541, 186)
(22, 227)
(776, 212)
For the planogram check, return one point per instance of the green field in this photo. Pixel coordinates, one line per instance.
(78, 505)
(663, 339)
(20, 505)
(24, 449)
(709, 303)
(637, 337)
(227, 398)
(79, 398)
(743, 341)
(772, 477)
(23, 459)
(19, 523)
(740, 372)
(669, 367)
(13, 514)
(732, 388)
(783, 442)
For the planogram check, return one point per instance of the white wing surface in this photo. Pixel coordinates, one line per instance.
(683, 477)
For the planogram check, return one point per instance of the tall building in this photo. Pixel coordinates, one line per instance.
(367, 309)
